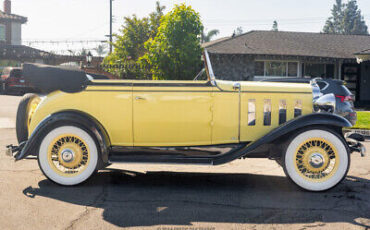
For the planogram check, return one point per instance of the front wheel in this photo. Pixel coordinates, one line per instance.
(68, 155)
(316, 160)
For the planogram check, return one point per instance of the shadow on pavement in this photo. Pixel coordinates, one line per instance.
(167, 198)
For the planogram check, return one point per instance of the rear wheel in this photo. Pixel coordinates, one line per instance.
(316, 160)
(68, 155)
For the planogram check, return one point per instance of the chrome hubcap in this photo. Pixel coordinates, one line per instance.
(67, 155)
(316, 160)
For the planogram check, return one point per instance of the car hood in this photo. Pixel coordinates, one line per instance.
(255, 86)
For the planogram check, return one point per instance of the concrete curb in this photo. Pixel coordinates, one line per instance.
(363, 132)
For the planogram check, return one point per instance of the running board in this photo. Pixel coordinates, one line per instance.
(205, 155)
(171, 155)
(119, 158)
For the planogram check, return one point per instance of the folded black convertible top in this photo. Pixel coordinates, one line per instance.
(51, 78)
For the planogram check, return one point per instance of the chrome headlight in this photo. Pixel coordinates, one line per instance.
(325, 103)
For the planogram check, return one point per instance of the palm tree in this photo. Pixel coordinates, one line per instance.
(83, 52)
(100, 50)
(208, 37)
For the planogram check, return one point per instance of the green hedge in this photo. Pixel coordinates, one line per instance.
(363, 120)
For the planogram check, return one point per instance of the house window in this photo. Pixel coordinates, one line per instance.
(292, 69)
(259, 68)
(314, 70)
(275, 69)
(2, 33)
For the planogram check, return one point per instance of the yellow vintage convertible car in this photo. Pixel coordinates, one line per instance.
(79, 126)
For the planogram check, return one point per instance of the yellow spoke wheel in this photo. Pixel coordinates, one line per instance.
(316, 159)
(68, 155)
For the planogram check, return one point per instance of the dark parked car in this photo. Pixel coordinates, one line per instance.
(12, 81)
(344, 97)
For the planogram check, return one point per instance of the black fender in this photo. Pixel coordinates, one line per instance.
(77, 118)
(326, 120)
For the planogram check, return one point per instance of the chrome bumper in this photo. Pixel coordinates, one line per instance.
(355, 145)
(12, 150)
(8, 151)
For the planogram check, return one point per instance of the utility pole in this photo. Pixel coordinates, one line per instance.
(111, 27)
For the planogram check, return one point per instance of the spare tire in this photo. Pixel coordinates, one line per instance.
(25, 108)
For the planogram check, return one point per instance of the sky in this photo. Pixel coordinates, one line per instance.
(88, 20)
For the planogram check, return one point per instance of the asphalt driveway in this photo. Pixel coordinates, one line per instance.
(245, 194)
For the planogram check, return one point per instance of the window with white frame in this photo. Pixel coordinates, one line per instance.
(2, 32)
(314, 70)
(276, 69)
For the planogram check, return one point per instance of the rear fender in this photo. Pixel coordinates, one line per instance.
(77, 118)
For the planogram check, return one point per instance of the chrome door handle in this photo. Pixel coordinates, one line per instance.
(139, 98)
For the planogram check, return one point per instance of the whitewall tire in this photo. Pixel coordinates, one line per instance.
(316, 160)
(68, 155)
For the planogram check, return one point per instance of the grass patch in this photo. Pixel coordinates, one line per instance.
(363, 120)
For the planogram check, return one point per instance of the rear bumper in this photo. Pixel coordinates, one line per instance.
(13, 150)
(9, 151)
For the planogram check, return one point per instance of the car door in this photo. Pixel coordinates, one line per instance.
(172, 113)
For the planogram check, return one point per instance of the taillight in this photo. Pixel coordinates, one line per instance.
(345, 98)
(12, 80)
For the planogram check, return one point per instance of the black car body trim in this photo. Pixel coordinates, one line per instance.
(69, 117)
(150, 84)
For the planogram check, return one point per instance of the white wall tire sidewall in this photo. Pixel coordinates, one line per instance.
(310, 185)
(43, 156)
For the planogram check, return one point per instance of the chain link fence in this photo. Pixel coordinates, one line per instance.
(129, 71)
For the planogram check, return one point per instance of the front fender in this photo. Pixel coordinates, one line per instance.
(77, 118)
(314, 119)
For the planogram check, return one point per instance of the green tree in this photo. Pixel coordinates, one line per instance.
(175, 53)
(207, 37)
(239, 30)
(353, 20)
(345, 18)
(155, 19)
(83, 52)
(275, 26)
(129, 44)
(333, 24)
(135, 32)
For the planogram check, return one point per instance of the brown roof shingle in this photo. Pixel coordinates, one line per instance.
(12, 17)
(292, 44)
(207, 44)
(367, 52)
